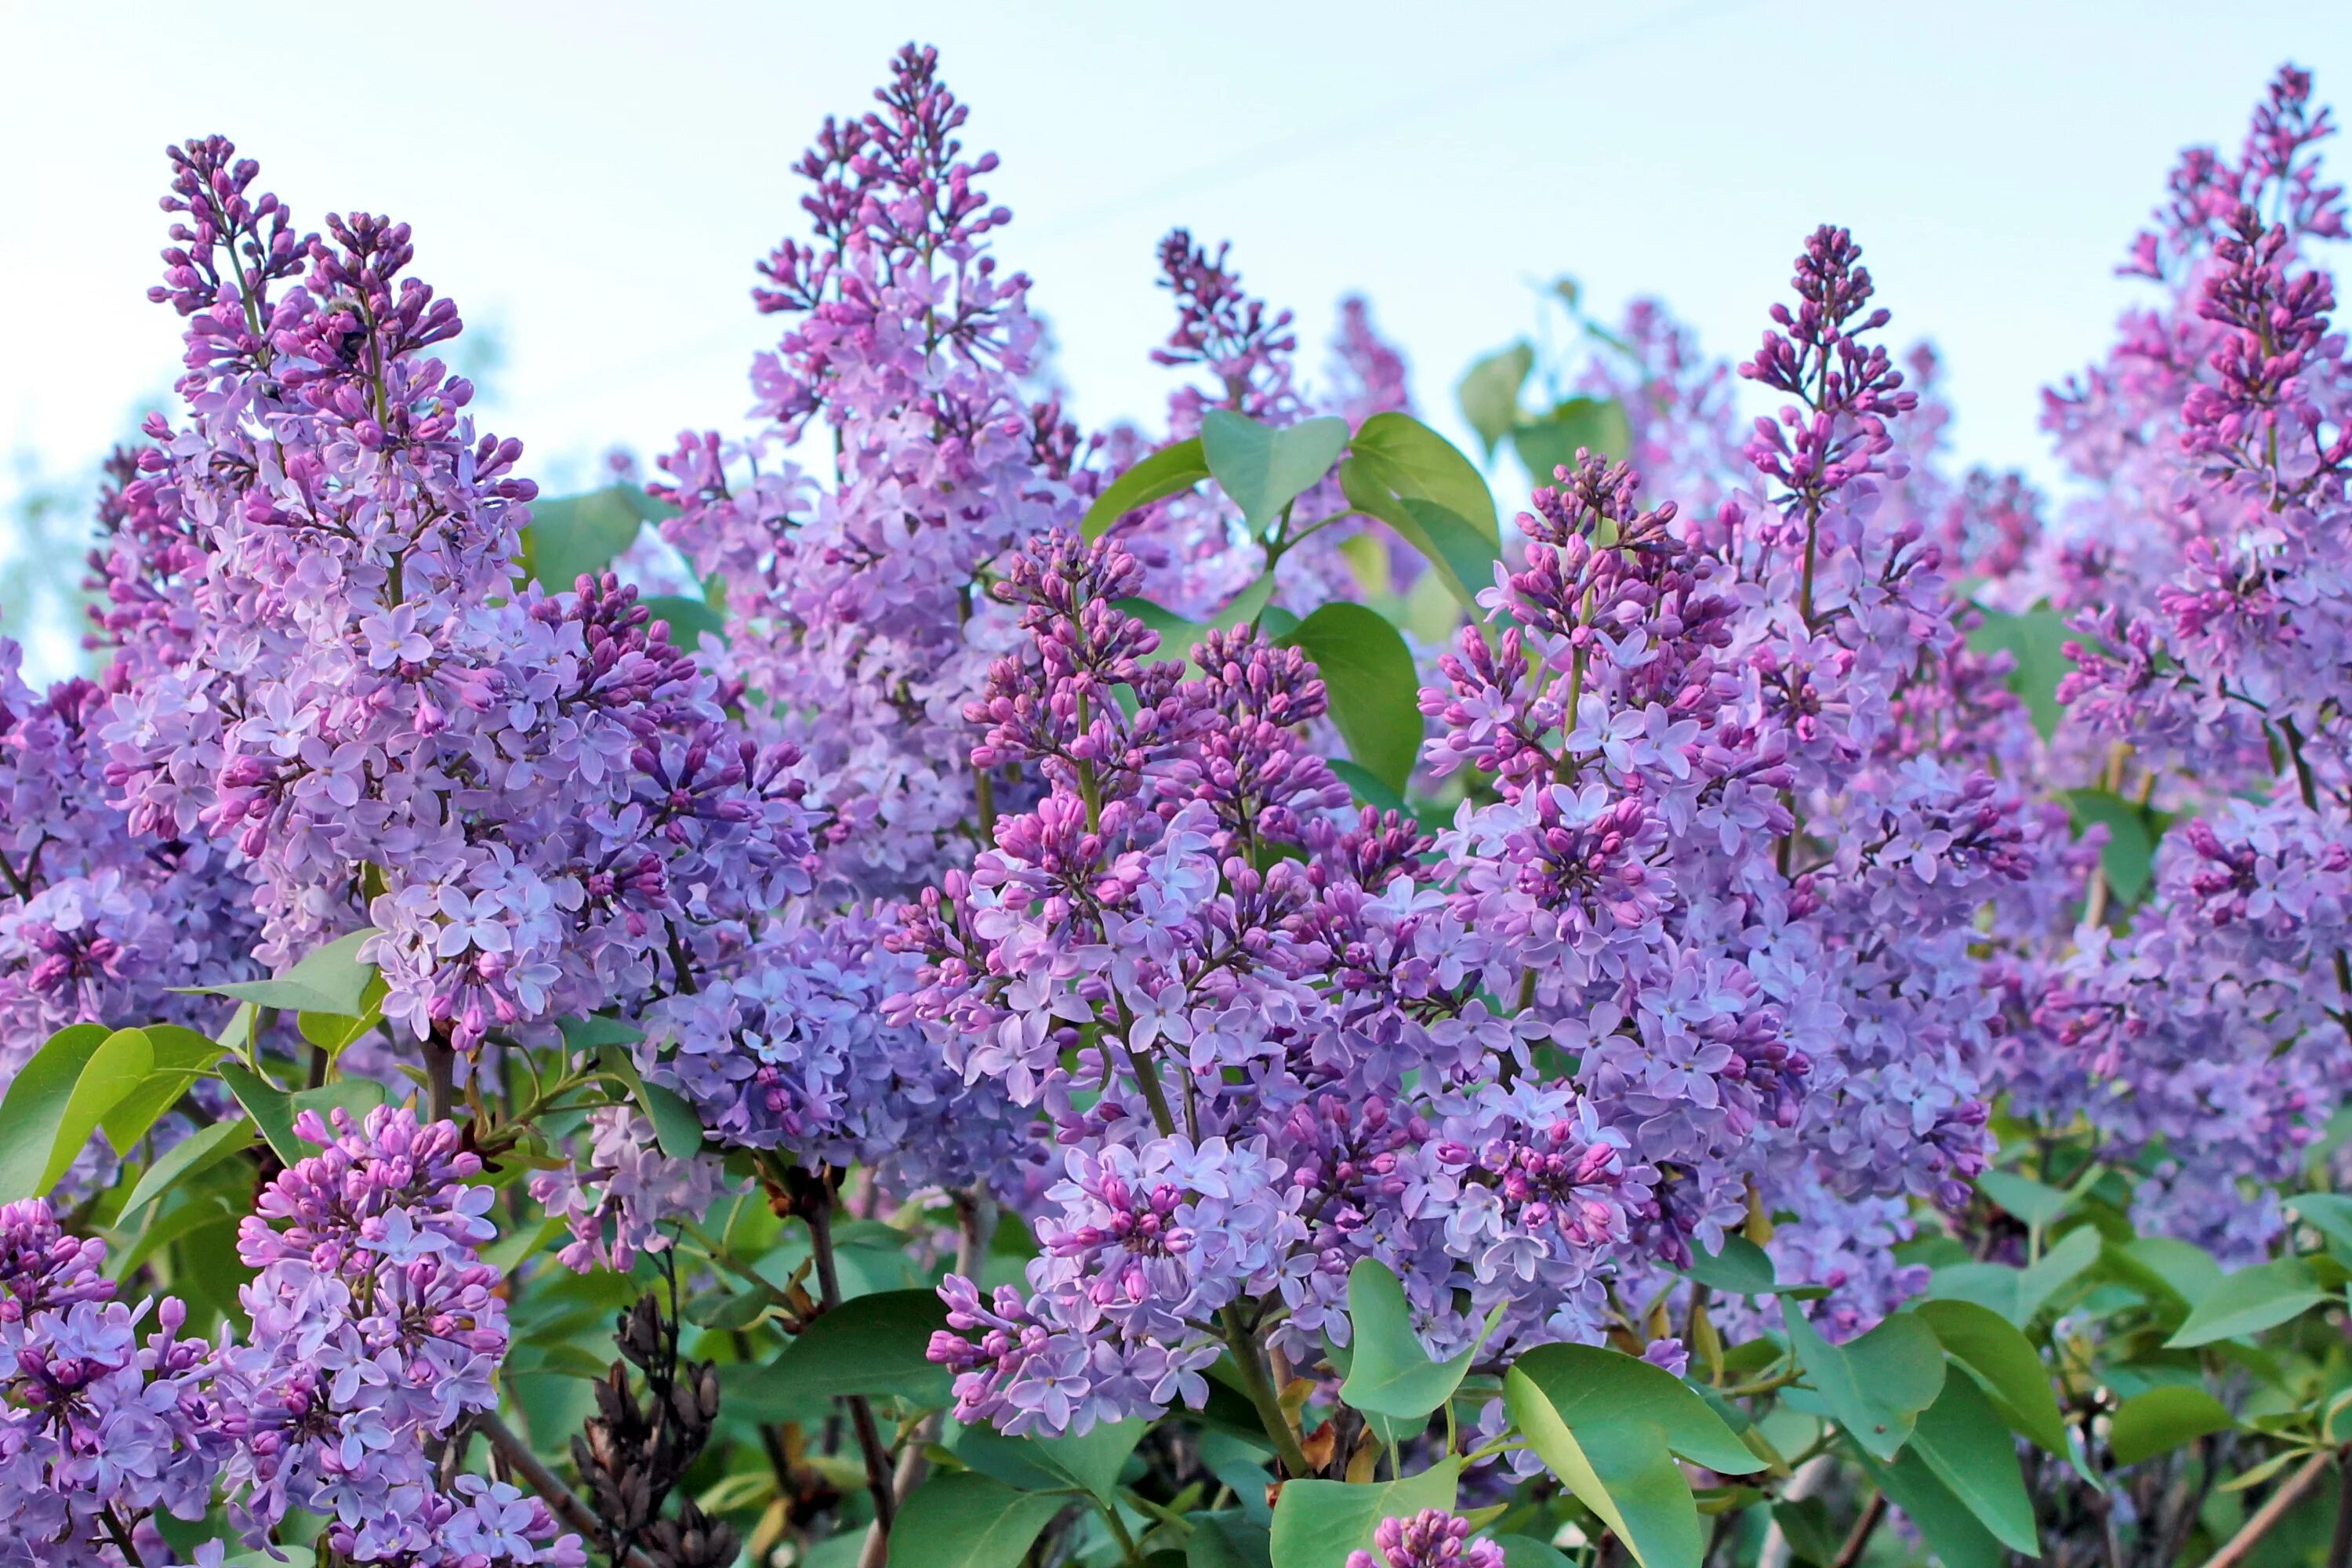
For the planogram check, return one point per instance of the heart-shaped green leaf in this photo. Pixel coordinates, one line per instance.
(1317, 1523)
(1264, 468)
(966, 1521)
(1389, 1373)
(1594, 424)
(1374, 693)
(1876, 1384)
(875, 1344)
(1162, 474)
(2003, 1359)
(329, 979)
(1488, 392)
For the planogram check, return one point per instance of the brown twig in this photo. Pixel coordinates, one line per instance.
(2340, 1545)
(2280, 1503)
(975, 1228)
(861, 1409)
(1858, 1538)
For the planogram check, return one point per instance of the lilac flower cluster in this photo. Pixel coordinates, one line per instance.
(376, 1331)
(1430, 1539)
(538, 800)
(96, 923)
(2205, 569)
(101, 1426)
(852, 607)
(1216, 978)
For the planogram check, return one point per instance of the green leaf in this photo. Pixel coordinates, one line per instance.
(1389, 1373)
(331, 980)
(2330, 1214)
(1463, 559)
(121, 1064)
(869, 1344)
(967, 1521)
(1805, 1525)
(356, 1095)
(335, 1033)
(34, 1107)
(1317, 1523)
(1018, 1462)
(569, 537)
(1414, 462)
(1965, 1442)
(1743, 1268)
(2162, 1420)
(1590, 1387)
(2029, 1200)
(677, 1126)
(510, 1252)
(1608, 1426)
(1226, 1540)
(190, 1157)
(2004, 1362)
(2130, 849)
(1248, 605)
(79, 1075)
(1488, 392)
(1374, 693)
(1094, 1457)
(1370, 788)
(2036, 640)
(1164, 473)
(272, 1109)
(1958, 1537)
(1875, 1386)
(182, 1057)
(2163, 1266)
(1596, 423)
(1992, 1286)
(596, 1031)
(1526, 1551)
(1623, 1472)
(1264, 468)
(690, 620)
(2054, 1271)
(274, 1556)
(2249, 1301)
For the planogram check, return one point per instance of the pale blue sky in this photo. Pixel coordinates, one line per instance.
(597, 179)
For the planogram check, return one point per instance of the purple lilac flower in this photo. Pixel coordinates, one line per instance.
(1430, 1539)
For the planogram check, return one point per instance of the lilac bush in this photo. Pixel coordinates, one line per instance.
(1198, 991)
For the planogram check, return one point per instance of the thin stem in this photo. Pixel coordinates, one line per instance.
(1260, 1389)
(121, 1535)
(976, 1216)
(861, 1409)
(2340, 1545)
(440, 1076)
(1858, 1540)
(2280, 1504)
(1127, 1552)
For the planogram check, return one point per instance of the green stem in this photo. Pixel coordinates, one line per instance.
(1262, 1395)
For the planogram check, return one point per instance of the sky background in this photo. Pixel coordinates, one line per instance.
(594, 182)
